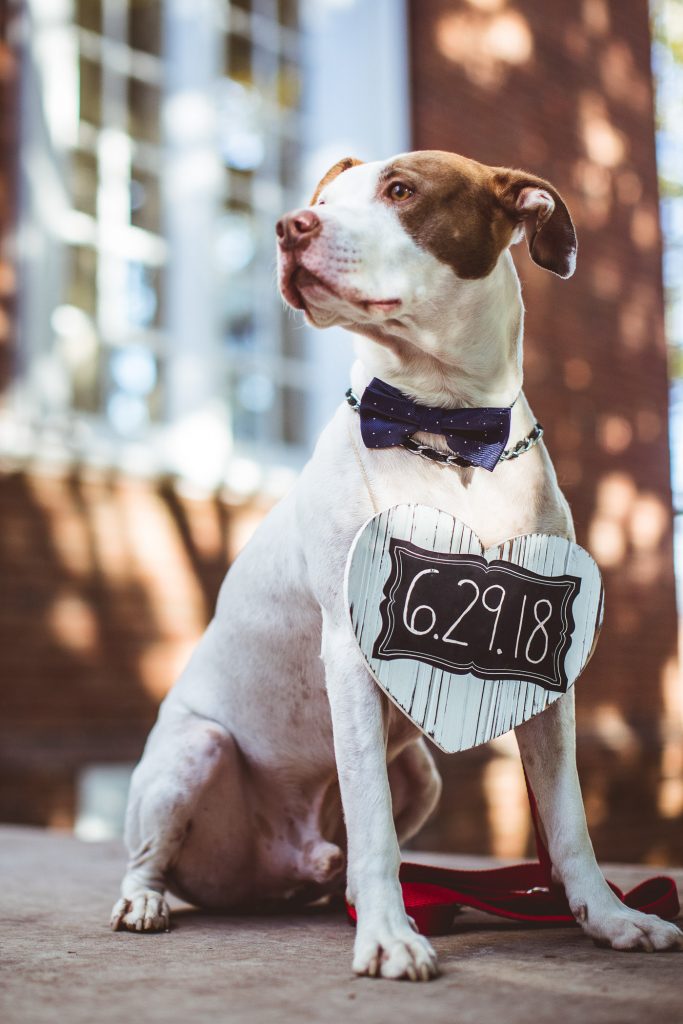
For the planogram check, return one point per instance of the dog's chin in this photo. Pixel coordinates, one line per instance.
(327, 305)
(320, 302)
(318, 315)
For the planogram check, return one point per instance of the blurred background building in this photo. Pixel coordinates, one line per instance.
(157, 397)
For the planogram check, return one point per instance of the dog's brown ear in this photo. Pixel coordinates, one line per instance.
(334, 172)
(538, 207)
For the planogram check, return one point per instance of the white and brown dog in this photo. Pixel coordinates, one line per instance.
(277, 766)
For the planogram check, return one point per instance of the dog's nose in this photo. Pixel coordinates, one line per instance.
(298, 228)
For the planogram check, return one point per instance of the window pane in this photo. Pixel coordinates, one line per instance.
(81, 290)
(241, 125)
(77, 351)
(293, 416)
(85, 371)
(145, 201)
(246, 424)
(288, 86)
(144, 106)
(83, 182)
(132, 389)
(288, 13)
(240, 330)
(88, 14)
(238, 58)
(293, 337)
(289, 159)
(238, 185)
(238, 312)
(90, 90)
(143, 296)
(144, 25)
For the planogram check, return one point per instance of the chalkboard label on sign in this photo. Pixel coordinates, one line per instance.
(467, 615)
(469, 641)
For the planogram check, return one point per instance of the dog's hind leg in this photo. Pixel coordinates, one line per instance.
(548, 747)
(415, 789)
(184, 759)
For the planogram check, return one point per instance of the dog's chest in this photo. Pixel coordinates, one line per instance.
(513, 499)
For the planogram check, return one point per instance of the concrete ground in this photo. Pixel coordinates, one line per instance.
(61, 963)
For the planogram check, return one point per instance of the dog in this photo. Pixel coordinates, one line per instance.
(277, 769)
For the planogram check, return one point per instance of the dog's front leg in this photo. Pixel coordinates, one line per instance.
(386, 942)
(548, 748)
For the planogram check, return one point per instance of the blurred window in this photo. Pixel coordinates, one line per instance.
(160, 143)
(101, 796)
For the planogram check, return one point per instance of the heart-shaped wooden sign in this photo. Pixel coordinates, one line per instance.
(469, 643)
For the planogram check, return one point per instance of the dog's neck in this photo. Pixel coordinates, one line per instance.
(462, 351)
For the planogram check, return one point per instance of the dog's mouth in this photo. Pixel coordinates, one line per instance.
(301, 288)
(294, 281)
(307, 285)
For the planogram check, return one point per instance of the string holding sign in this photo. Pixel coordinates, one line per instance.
(469, 643)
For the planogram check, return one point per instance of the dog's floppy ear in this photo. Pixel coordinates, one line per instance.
(536, 206)
(334, 172)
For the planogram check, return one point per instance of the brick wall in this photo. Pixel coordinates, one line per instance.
(564, 90)
(108, 582)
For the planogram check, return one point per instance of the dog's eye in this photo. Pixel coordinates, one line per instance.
(398, 191)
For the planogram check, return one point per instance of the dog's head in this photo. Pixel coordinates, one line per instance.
(380, 241)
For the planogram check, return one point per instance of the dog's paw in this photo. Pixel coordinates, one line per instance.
(627, 929)
(400, 954)
(145, 912)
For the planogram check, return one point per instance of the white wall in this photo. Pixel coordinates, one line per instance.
(356, 103)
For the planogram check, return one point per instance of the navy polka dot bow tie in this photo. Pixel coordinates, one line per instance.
(387, 417)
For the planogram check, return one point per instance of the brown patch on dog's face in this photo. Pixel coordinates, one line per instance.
(453, 213)
(341, 165)
(465, 213)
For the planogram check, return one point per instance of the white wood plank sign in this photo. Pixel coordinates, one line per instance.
(469, 643)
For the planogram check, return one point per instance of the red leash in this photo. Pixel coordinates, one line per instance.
(521, 892)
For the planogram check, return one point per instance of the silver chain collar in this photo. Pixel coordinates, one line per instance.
(449, 459)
